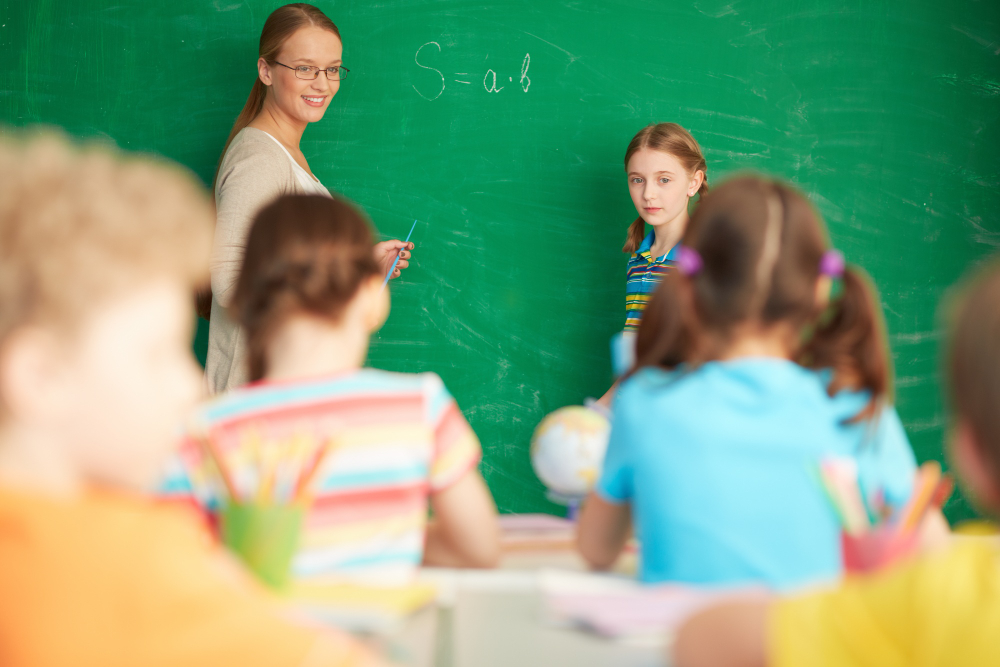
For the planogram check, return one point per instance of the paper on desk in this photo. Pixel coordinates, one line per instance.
(622, 609)
(362, 609)
(536, 531)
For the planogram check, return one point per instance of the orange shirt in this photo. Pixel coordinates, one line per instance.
(117, 581)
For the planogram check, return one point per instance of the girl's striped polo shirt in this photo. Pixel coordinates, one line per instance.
(643, 275)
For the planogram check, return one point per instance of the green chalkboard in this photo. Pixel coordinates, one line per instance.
(501, 126)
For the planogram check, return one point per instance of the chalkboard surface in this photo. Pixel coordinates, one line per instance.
(501, 126)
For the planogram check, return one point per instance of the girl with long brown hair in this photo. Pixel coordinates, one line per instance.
(309, 297)
(665, 169)
(299, 70)
(747, 376)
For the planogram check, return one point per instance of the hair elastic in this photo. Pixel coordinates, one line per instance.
(832, 264)
(689, 261)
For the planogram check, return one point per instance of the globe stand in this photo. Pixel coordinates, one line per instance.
(572, 503)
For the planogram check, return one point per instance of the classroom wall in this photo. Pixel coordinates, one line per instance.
(501, 126)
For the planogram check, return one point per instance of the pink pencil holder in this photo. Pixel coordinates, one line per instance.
(872, 551)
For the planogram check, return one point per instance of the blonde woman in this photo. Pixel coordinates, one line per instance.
(299, 71)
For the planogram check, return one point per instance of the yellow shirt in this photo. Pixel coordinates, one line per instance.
(943, 609)
(117, 581)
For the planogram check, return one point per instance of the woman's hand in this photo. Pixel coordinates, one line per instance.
(385, 254)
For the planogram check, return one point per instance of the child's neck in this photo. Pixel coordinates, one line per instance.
(753, 341)
(30, 461)
(311, 347)
(667, 235)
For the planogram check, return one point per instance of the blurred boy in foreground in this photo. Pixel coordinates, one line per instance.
(99, 254)
(942, 609)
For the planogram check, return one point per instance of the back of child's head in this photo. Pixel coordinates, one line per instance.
(974, 365)
(80, 225)
(674, 140)
(306, 255)
(754, 251)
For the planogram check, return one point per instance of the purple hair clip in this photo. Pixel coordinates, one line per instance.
(689, 261)
(832, 264)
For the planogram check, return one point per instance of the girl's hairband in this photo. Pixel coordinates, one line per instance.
(832, 264)
(689, 262)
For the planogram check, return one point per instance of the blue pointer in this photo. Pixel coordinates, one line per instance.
(396, 261)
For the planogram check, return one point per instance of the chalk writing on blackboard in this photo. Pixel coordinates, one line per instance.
(432, 91)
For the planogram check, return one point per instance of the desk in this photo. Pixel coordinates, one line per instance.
(496, 619)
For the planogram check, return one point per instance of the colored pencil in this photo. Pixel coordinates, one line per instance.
(928, 478)
(306, 480)
(216, 457)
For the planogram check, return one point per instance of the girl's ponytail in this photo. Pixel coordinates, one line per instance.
(636, 234)
(305, 255)
(703, 188)
(667, 331)
(850, 341)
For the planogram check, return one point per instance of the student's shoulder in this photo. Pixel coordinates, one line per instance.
(662, 381)
(428, 383)
(650, 385)
(960, 580)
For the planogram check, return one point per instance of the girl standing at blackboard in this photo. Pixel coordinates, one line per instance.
(299, 71)
(665, 168)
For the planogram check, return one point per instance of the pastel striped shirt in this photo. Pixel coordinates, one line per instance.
(643, 275)
(397, 439)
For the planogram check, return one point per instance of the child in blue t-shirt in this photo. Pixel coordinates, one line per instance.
(747, 377)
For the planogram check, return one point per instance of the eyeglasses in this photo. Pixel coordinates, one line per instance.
(310, 73)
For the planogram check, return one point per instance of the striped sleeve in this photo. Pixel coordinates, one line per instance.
(456, 447)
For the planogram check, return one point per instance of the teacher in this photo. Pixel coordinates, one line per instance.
(299, 71)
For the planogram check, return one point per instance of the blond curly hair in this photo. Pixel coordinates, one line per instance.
(79, 224)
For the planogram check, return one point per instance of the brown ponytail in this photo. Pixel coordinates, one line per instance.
(761, 244)
(306, 254)
(674, 140)
(279, 26)
(850, 340)
(636, 235)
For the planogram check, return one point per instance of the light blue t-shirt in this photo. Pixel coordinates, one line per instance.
(719, 467)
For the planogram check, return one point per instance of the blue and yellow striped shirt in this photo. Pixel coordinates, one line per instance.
(642, 276)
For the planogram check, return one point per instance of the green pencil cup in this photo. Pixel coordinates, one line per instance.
(266, 537)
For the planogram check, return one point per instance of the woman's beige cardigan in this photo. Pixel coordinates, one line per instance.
(254, 171)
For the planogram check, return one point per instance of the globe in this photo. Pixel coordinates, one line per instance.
(567, 451)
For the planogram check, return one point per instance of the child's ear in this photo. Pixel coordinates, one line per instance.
(377, 303)
(696, 180)
(974, 471)
(823, 286)
(30, 373)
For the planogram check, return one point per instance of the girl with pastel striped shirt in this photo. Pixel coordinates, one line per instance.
(309, 296)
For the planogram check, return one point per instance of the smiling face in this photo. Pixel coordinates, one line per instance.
(660, 186)
(299, 99)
